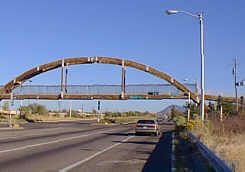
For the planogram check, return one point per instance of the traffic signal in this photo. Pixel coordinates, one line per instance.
(98, 105)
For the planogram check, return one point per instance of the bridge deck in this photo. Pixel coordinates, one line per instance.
(106, 92)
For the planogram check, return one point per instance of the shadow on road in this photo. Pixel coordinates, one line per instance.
(160, 158)
(120, 134)
(138, 142)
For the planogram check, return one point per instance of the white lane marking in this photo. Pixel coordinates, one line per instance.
(55, 141)
(92, 156)
(24, 136)
(130, 161)
(43, 134)
(173, 154)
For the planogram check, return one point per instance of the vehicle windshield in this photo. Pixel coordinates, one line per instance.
(146, 122)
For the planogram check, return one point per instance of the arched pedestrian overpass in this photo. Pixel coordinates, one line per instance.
(6, 92)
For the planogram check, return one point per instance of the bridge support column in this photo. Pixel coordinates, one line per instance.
(66, 78)
(123, 80)
(62, 79)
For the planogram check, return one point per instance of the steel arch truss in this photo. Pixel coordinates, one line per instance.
(19, 80)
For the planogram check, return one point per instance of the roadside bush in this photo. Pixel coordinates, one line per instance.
(3, 118)
(179, 121)
(227, 139)
(29, 118)
(192, 124)
(196, 116)
(24, 110)
(33, 109)
(126, 114)
(74, 114)
(38, 109)
(108, 121)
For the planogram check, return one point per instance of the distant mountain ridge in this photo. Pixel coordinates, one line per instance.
(167, 110)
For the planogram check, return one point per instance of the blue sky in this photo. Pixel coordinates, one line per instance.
(37, 32)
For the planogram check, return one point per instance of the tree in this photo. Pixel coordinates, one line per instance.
(173, 112)
(229, 109)
(37, 109)
(24, 110)
(210, 108)
(220, 101)
(195, 110)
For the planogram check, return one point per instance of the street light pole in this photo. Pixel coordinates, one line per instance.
(202, 67)
(200, 17)
(235, 84)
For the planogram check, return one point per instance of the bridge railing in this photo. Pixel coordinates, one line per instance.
(152, 89)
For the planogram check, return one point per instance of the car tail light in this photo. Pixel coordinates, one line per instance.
(153, 126)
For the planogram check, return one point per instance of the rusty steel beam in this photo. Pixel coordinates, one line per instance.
(109, 97)
(225, 99)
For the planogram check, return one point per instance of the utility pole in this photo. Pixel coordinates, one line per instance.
(189, 107)
(234, 72)
(221, 113)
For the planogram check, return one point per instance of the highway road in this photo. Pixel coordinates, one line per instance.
(83, 147)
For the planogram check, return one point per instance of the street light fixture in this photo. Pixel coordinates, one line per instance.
(200, 17)
(169, 12)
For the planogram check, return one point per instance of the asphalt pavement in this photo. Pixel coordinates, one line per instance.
(84, 147)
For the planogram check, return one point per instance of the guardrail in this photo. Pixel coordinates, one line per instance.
(216, 162)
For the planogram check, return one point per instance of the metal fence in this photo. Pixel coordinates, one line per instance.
(154, 89)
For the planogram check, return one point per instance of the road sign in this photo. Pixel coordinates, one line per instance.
(135, 97)
(242, 83)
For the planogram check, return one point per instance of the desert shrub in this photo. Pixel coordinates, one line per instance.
(226, 138)
(37, 109)
(195, 116)
(192, 124)
(179, 121)
(74, 114)
(29, 118)
(108, 121)
(24, 110)
(124, 115)
(108, 114)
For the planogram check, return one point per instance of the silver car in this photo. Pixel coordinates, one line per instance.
(147, 126)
